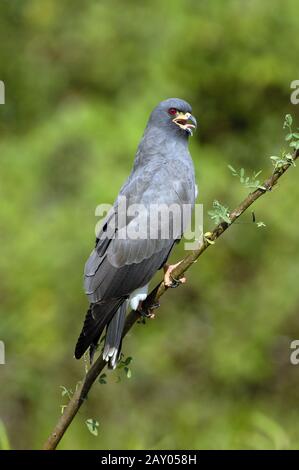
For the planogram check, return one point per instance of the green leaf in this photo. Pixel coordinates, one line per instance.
(102, 379)
(92, 426)
(242, 173)
(123, 364)
(66, 392)
(289, 158)
(288, 121)
(260, 224)
(128, 360)
(232, 169)
(219, 213)
(278, 162)
(247, 181)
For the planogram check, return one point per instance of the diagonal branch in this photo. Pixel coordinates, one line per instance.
(81, 393)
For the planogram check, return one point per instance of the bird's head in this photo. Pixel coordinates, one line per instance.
(175, 115)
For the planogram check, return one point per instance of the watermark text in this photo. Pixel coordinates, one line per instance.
(295, 93)
(2, 92)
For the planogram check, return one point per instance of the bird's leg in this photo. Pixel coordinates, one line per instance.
(169, 280)
(148, 312)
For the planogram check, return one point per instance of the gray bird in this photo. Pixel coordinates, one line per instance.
(120, 267)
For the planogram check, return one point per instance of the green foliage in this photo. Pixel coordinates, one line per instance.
(65, 392)
(292, 137)
(92, 426)
(124, 365)
(102, 379)
(250, 182)
(293, 140)
(260, 224)
(77, 99)
(278, 162)
(219, 213)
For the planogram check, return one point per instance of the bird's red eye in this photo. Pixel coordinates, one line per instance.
(172, 111)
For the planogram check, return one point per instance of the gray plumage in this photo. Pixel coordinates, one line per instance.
(114, 336)
(163, 173)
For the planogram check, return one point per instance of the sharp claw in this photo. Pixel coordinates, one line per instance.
(148, 313)
(155, 305)
(176, 282)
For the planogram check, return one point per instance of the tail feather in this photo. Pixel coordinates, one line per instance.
(113, 338)
(97, 317)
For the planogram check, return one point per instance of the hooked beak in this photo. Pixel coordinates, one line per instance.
(186, 121)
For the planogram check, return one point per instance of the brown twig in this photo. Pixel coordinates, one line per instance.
(81, 393)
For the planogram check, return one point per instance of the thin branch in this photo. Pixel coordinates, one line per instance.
(81, 393)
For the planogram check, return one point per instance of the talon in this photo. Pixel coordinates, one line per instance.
(148, 313)
(169, 280)
(155, 305)
(176, 282)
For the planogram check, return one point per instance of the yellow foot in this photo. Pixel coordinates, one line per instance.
(169, 280)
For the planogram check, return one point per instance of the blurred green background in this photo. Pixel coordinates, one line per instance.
(213, 369)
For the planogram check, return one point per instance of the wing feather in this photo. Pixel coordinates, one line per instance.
(120, 265)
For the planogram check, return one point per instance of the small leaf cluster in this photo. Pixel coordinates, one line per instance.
(124, 365)
(65, 392)
(219, 213)
(103, 379)
(291, 137)
(260, 224)
(293, 140)
(250, 182)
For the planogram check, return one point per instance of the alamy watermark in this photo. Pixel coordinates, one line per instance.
(2, 352)
(150, 222)
(295, 94)
(2, 92)
(294, 356)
